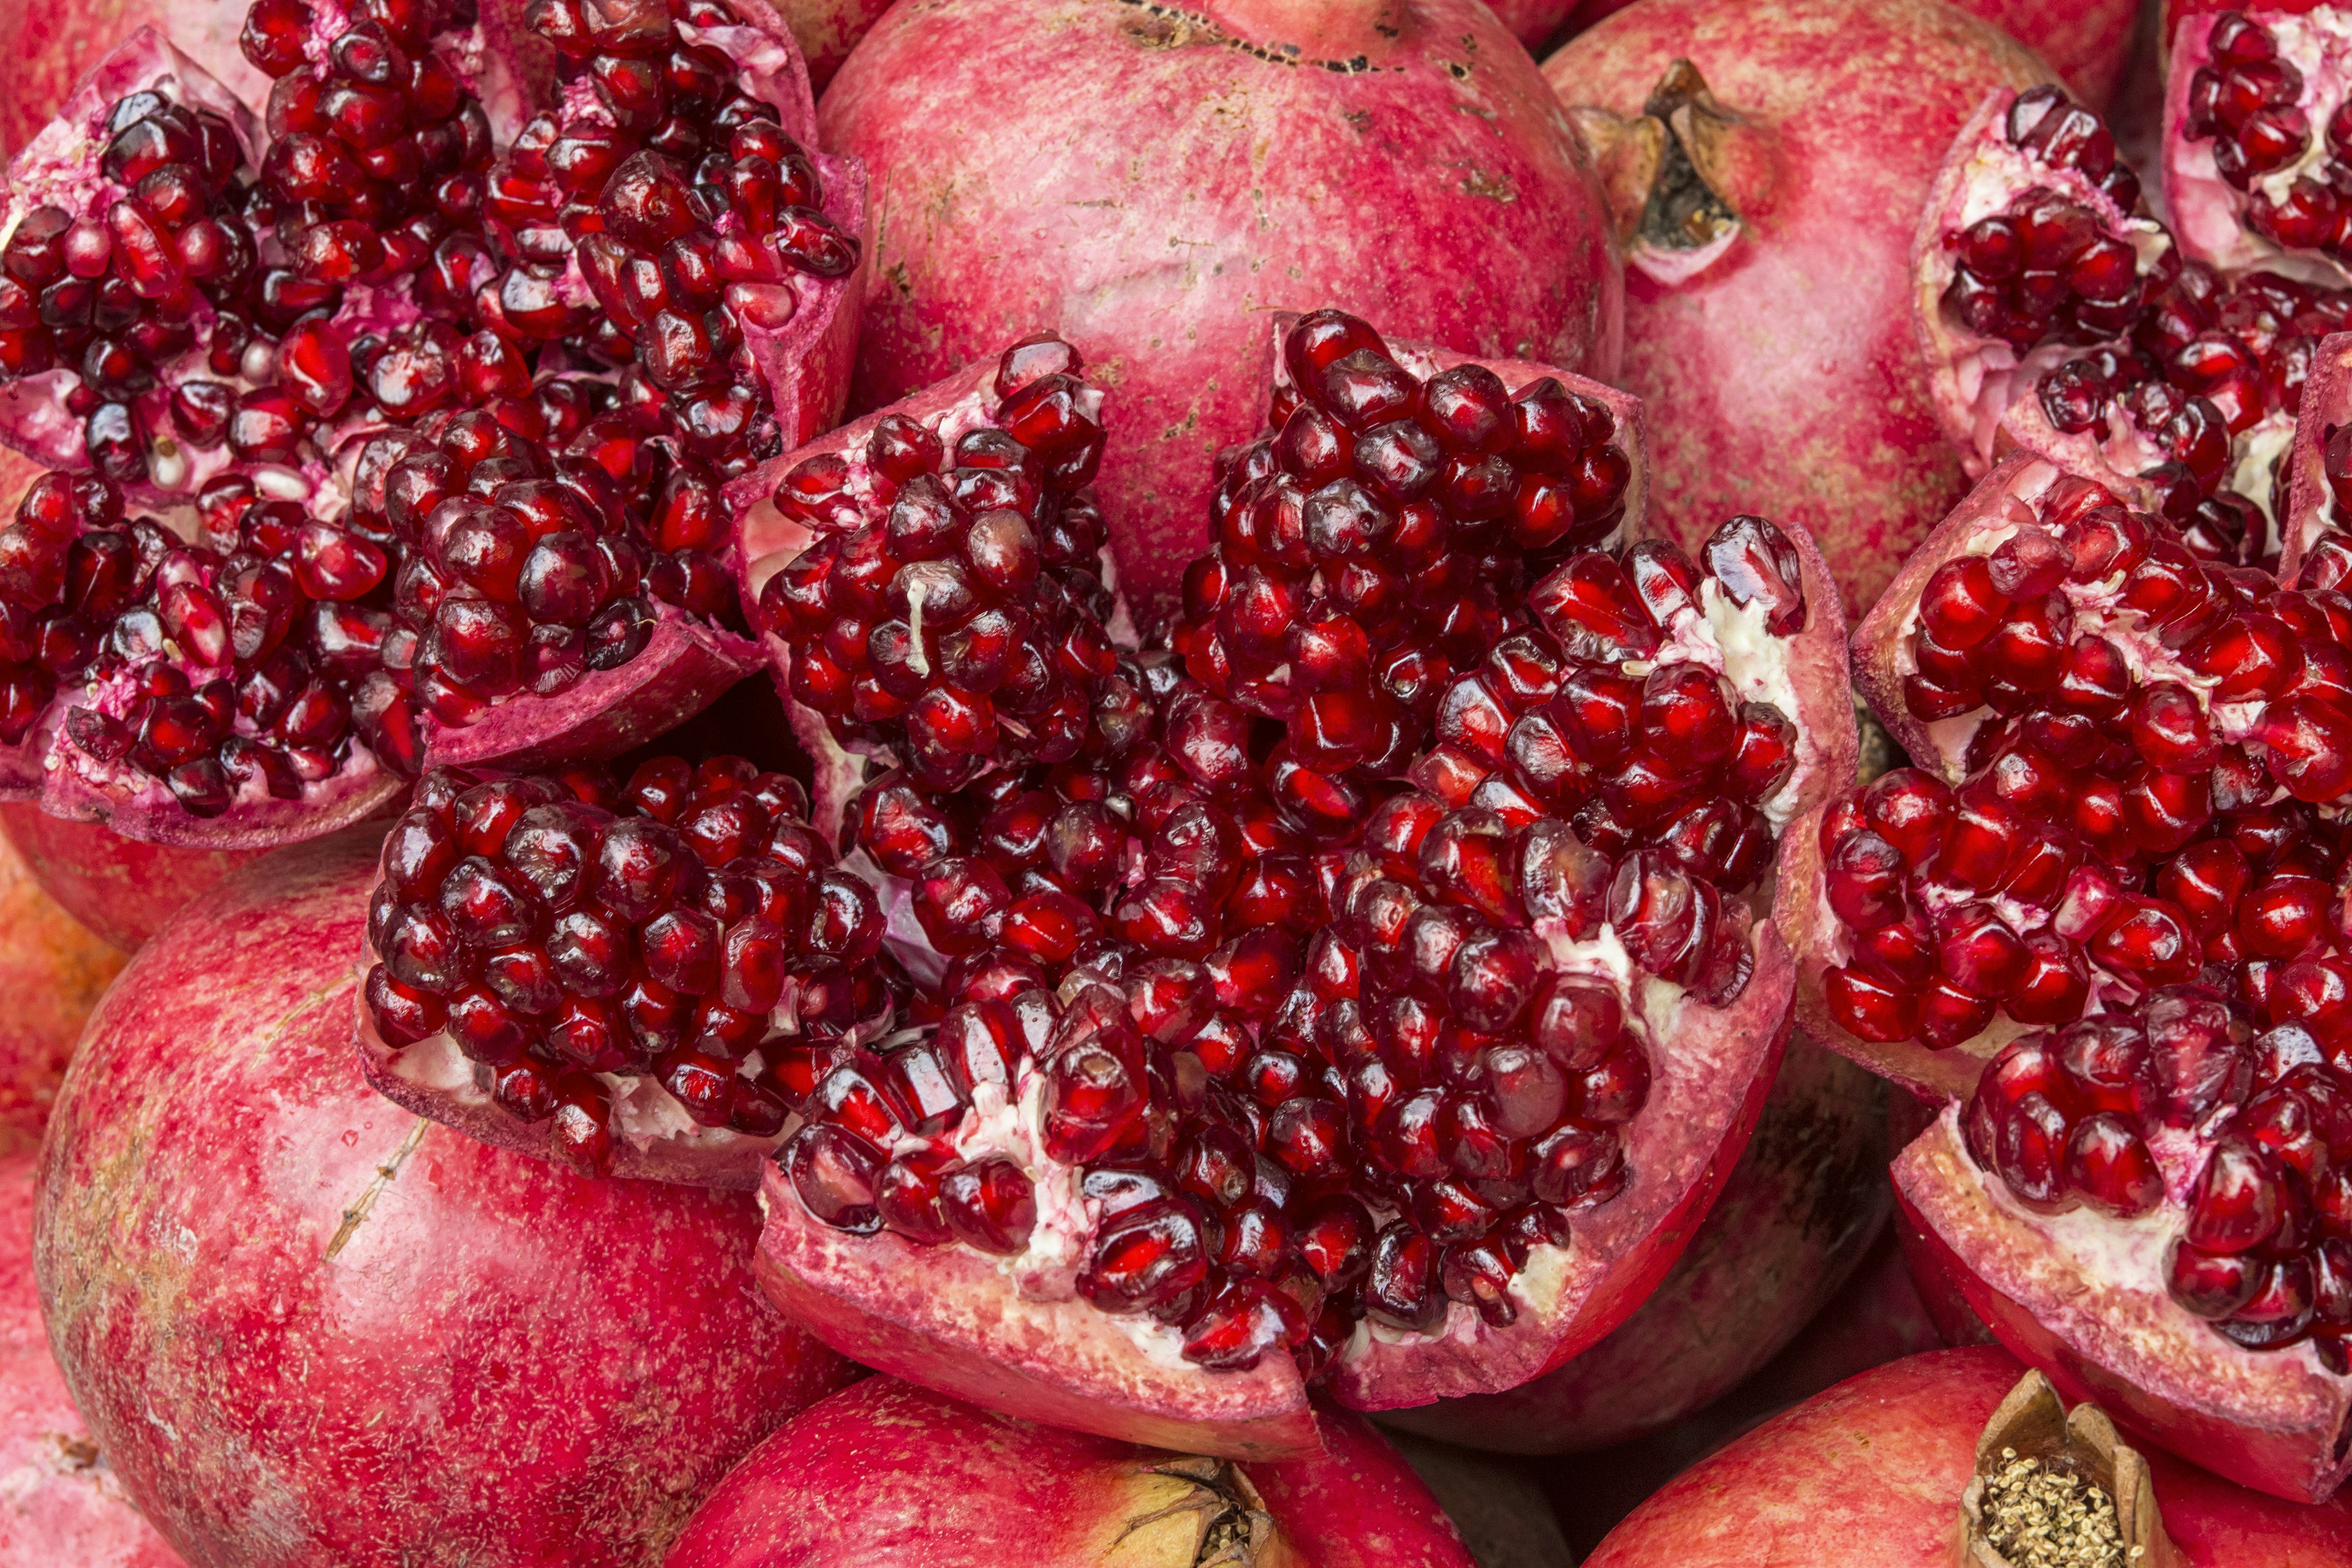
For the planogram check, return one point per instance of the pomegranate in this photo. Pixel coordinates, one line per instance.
(56, 41)
(392, 1290)
(1799, 1210)
(53, 971)
(1242, 1049)
(827, 30)
(1767, 220)
(887, 1472)
(65, 1505)
(637, 977)
(2316, 528)
(2251, 132)
(1535, 21)
(2111, 878)
(122, 888)
(1173, 231)
(1906, 1463)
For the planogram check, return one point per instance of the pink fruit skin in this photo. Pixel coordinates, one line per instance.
(1534, 22)
(1153, 190)
(62, 1505)
(1798, 1212)
(1784, 378)
(827, 30)
(52, 970)
(887, 1475)
(53, 42)
(1870, 1474)
(2328, 399)
(2276, 1421)
(122, 889)
(307, 1327)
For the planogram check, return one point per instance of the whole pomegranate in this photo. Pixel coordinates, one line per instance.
(887, 1475)
(1117, 200)
(1768, 193)
(65, 1504)
(54, 971)
(303, 1284)
(122, 889)
(1878, 1471)
(1799, 1210)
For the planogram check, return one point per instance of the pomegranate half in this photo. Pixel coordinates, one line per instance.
(1766, 191)
(218, 1174)
(1876, 1471)
(1173, 231)
(886, 1474)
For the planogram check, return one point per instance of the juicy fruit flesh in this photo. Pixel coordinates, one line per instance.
(1259, 1070)
(522, 524)
(566, 932)
(951, 607)
(2147, 835)
(2279, 136)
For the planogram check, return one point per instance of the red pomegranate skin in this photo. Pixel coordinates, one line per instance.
(2087, 45)
(53, 42)
(827, 30)
(52, 970)
(1800, 1209)
(1158, 185)
(887, 1475)
(1785, 378)
(1869, 1475)
(122, 889)
(308, 1327)
(60, 1502)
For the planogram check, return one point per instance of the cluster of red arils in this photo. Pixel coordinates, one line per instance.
(2100, 1113)
(1378, 541)
(2043, 269)
(117, 293)
(951, 607)
(2248, 103)
(571, 934)
(684, 205)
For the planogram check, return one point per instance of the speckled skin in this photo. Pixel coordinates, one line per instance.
(887, 1475)
(122, 889)
(52, 970)
(1870, 1474)
(2328, 401)
(1800, 1209)
(1154, 186)
(1784, 379)
(307, 1327)
(61, 1503)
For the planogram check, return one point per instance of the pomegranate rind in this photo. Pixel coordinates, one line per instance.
(60, 165)
(1975, 382)
(2082, 1296)
(2326, 404)
(122, 888)
(1705, 1096)
(2207, 212)
(948, 1318)
(391, 1290)
(958, 1486)
(682, 669)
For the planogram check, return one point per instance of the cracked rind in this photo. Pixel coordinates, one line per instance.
(2272, 1420)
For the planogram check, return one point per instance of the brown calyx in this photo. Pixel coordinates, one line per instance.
(1194, 1512)
(2057, 1489)
(1680, 175)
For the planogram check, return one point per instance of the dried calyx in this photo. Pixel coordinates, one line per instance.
(1678, 174)
(2056, 1488)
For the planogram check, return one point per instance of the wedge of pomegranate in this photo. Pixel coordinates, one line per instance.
(1235, 1094)
(637, 977)
(2257, 142)
(2098, 911)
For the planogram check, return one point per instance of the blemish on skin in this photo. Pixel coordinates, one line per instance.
(385, 1176)
(1167, 27)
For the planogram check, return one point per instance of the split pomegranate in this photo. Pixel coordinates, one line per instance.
(636, 976)
(2255, 128)
(218, 1174)
(1876, 1470)
(1801, 1210)
(886, 1473)
(2112, 874)
(1767, 190)
(1175, 230)
(65, 1504)
(54, 971)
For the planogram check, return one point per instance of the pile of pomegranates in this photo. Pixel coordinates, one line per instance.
(864, 783)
